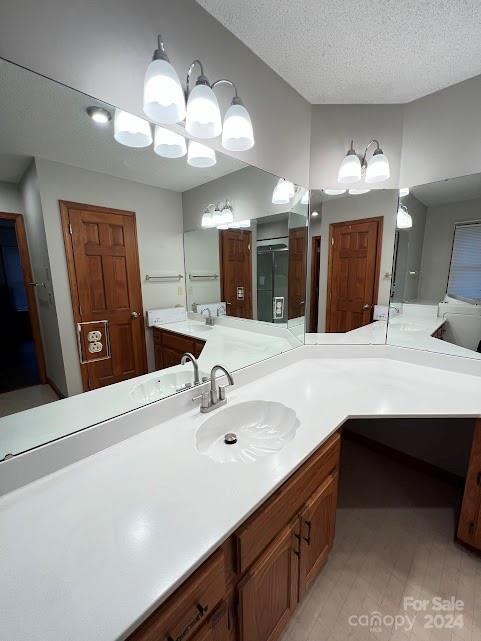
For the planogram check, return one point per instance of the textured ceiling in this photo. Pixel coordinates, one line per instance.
(360, 51)
(42, 118)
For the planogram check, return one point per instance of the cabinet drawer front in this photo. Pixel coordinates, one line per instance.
(177, 342)
(257, 532)
(186, 610)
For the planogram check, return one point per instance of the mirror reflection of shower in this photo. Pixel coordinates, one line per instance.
(272, 279)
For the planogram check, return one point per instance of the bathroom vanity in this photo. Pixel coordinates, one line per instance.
(250, 586)
(169, 347)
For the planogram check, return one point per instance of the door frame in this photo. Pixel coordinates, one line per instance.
(221, 268)
(315, 275)
(380, 221)
(27, 275)
(65, 205)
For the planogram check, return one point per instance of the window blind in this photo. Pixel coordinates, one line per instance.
(465, 271)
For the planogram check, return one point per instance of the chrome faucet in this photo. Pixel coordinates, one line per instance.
(210, 320)
(215, 397)
(190, 357)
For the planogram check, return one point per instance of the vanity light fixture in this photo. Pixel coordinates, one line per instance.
(198, 155)
(283, 192)
(99, 115)
(403, 219)
(334, 192)
(305, 197)
(404, 191)
(219, 215)
(168, 144)
(359, 191)
(237, 132)
(376, 169)
(203, 119)
(130, 130)
(164, 98)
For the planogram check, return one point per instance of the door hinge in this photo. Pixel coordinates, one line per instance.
(70, 229)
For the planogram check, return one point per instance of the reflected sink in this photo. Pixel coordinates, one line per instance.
(163, 385)
(260, 428)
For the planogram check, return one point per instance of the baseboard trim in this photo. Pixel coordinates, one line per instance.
(55, 388)
(405, 459)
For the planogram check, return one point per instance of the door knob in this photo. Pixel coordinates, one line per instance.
(134, 315)
(366, 306)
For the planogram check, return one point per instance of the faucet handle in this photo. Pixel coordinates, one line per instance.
(204, 400)
(222, 389)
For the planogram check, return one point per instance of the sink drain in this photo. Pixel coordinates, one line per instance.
(230, 438)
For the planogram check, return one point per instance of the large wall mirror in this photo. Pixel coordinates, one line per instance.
(436, 287)
(351, 240)
(115, 261)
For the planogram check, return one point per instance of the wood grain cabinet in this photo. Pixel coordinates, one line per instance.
(469, 527)
(170, 346)
(249, 588)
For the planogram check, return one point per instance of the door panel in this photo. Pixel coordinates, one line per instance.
(297, 271)
(102, 258)
(236, 268)
(354, 260)
(268, 594)
(317, 531)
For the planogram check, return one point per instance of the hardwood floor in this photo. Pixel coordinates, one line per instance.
(394, 539)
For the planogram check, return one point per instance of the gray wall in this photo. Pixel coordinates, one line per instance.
(47, 310)
(10, 199)
(103, 49)
(376, 203)
(159, 231)
(438, 240)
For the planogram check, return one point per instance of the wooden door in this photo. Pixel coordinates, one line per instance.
(318, 520)
(315, 276)
(297, 272)
(236, 271)
(469, 527)
(353, 276)
(268, 594)
(104, 274)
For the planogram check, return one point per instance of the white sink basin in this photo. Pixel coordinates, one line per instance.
(163, 385)
(261, 428)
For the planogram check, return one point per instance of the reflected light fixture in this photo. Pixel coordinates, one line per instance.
(99, 115)
(164, 98)
(130, 130)
(305, 197)
(403, 218)
(168, 144)
(198, 155)
(240, 224)
(334, 192)
(358, 192)
(404, 191)
(283, 192)
(314, 214)
(352, 166)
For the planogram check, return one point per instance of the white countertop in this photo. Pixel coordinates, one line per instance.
(88, 551)
(233, 342)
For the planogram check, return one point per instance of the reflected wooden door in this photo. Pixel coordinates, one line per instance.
(297, 272)
(104, 274)
(236, 271)
(353, 278)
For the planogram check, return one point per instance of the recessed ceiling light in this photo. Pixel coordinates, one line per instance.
(99, 115)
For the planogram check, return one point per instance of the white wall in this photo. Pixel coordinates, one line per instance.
(376, 203)
(10, 199)
(159, 231)
(47, 311)
(438, 240)
(103, 49)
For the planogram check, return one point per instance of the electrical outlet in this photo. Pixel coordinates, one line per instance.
(94, 336)
(96, 347)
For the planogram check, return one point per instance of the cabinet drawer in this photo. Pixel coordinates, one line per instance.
(257, 532)
(186, 610)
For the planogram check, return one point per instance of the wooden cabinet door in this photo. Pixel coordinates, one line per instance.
(469, 527)
(216, 628)
(317, 525)
(296, 295)
(236, 271)
(268, 594)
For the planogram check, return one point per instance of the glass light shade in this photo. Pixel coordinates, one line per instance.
(207, 219)
(283, 192)
(227, 216)
(237, 133)
(404, 191)
(305, 198)
(203, 114)
(377, 169)
(217, 217)
(403, 218)
(198, 155)
(164, 99)
(130, 130)
(359, 191)
(169, 144)
(314, 214)
(99, 115)
(334, 192)
(350, 170)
